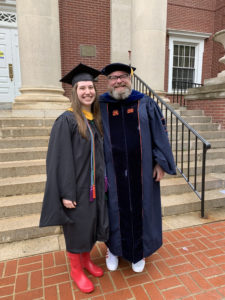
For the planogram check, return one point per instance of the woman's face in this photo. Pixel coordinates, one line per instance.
(86, 93)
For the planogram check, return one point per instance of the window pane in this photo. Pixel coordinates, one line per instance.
(181, 51)
(191, 77)
(175, 70)
(175, 61)
(175, 51)
(174, 82)
(187, 51)
(193, 51)
(185, 73)
(192, 62)
(179, 74)
(186, 62)
(181, 61)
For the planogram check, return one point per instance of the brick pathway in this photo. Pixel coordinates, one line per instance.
(190, 265)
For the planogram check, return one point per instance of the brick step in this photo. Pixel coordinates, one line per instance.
(211, 154)
(24, 142)
(45, 244)
(32, 246)
(189, 202)
(171, 204)
(177, 185)
(197, 126)
(24, 106)
(215, 143)
(24, 132)
(212, 166)
(20, 205)
(22, 168)
(22, 185)
(35, 113)
(184, 113)
(16, 154)
(196, 112)
(22, 228)
(204, 129)
(212, 135)
(191, 119)
(38, 166)
(26, 122)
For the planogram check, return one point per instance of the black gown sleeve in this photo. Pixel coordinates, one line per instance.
(61, 181)
(162, 152)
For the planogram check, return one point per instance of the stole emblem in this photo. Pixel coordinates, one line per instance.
(130, 110)
(115, 113)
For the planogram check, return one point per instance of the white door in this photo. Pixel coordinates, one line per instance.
(10, 80)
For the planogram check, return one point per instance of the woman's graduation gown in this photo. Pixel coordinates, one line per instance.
(69, 176)
(135, 139)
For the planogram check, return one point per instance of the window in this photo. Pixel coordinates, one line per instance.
(185, 58)
(183, 65)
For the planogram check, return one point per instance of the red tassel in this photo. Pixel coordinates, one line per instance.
(94, 192)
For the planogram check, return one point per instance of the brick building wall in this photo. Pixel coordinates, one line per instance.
(85, 22)
(214, 108)
(207, 16)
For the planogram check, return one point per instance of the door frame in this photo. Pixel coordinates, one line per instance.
(8, 19)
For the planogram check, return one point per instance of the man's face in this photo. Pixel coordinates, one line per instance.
(119, 85)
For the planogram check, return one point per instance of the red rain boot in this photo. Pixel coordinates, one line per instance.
(77, 274)
(90, 266)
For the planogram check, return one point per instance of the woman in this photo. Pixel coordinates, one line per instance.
(75, 188)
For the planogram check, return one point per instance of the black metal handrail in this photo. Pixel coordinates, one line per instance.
(189, 142)
(180, 88)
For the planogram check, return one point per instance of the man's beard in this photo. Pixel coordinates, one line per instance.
(121, 95)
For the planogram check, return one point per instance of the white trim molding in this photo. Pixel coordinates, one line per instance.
(195, 39)
(192, 34)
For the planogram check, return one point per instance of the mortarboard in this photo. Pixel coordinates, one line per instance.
(80, 73)
(117, 67)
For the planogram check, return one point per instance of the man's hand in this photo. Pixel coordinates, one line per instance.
(69, 204)
(158, 172)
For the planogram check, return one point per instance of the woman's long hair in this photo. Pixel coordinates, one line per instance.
(95, 109)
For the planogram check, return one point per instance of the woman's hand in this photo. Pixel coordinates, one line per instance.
(158, 172)
(69, 203)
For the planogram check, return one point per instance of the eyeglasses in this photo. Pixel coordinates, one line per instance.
(121, 77)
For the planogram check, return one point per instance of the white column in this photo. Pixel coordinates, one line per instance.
(148, 41)
(120, 30)
(40, 58)
(219, 37)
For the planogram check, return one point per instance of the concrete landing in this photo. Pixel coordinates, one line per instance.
(56, 242)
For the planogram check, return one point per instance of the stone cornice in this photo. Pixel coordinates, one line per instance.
(192, 34)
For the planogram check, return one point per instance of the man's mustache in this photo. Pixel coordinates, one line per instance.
(120, 84)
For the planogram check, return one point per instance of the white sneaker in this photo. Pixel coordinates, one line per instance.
(139, 266)
(111, 261)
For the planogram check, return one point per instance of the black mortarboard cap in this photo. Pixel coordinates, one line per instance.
(80, 73)
(117, 67)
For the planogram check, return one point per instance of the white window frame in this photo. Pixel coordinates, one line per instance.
(189, 38)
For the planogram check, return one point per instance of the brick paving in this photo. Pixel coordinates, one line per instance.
(189, 265)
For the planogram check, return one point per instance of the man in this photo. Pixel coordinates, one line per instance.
(137, 152)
